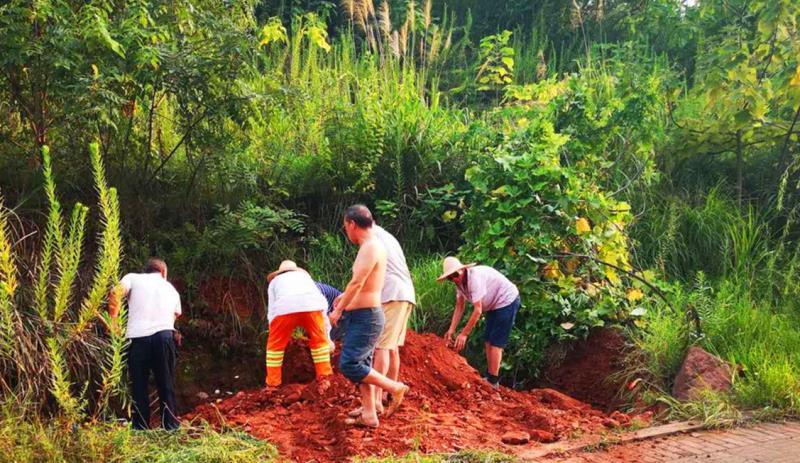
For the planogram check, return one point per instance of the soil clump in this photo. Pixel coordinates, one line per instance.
(450, 407)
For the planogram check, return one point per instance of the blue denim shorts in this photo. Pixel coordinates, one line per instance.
(362, 328)
(499, 323)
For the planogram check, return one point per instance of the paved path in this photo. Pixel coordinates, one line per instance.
(761, 443)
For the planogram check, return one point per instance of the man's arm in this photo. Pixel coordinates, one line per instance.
(458, 312)
(366, 259)
(114, 302)
(461, 340)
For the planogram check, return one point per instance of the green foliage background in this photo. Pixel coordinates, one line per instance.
(624, 162)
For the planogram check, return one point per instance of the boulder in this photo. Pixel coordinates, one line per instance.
(516, 438)
(701, 371)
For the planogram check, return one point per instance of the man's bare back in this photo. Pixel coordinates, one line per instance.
(369, 270)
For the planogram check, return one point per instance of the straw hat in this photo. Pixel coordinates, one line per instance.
(286, 266)
(452, 265)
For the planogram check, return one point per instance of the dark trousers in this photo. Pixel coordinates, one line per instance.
(154, 353)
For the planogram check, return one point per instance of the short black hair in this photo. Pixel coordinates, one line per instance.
(359, 214)
(155, 265)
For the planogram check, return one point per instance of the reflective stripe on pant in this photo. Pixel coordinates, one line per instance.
(280, 332)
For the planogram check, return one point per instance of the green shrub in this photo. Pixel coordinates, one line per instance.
(538, 215)
(50, 352)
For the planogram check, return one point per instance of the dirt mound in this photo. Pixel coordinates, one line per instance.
(449, 408)
(586, 370)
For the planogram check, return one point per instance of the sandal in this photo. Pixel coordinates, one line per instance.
(397, 399)
(359, 422)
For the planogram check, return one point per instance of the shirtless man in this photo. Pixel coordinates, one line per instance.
(363, 317)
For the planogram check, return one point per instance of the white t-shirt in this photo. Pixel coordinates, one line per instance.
(294, 292)
(153, 304)
(397, 285)
(489, 286)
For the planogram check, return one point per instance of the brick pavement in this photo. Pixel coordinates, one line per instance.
(760, 443)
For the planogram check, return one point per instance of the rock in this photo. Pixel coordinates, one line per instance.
(202, 396)
(701, 371)
(540, 435)
(610, 423)
(516, 438)
(621, 418)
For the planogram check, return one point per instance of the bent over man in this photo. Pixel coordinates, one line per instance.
(363, 317)
(490, 292)
(153, 306)
(294, 300)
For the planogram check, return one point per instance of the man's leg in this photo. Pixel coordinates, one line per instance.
(314, 325)
(493, 332)
(395, 321)
(280, 330)
(164, 370)
(380, 363)
(397, 389)
(494, 355)
(498, 329)
(394, 365)
(369, 414)
(139, 374)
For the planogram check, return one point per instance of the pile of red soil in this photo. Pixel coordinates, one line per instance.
(586, 371)
(449, 408)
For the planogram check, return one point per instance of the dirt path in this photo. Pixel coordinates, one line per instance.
(762, 443)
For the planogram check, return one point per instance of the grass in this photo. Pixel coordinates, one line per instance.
(435, 300)
(23, 441)
(763, 341)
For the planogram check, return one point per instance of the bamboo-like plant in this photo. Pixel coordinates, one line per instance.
(48, 353)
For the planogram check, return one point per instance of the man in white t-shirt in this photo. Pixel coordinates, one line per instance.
(398, 300)
(293, 301)
(153, 306)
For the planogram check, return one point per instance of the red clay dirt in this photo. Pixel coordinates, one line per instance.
(587, 369)
(223, 295)
(449, 408)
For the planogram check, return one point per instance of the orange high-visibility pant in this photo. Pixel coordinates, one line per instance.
(280, 332)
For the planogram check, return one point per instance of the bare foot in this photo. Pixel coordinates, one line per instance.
(397, 399)
(357, 412)
(361, 422)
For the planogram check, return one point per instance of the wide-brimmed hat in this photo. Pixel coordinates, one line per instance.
(286, 266)
(451, 265)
